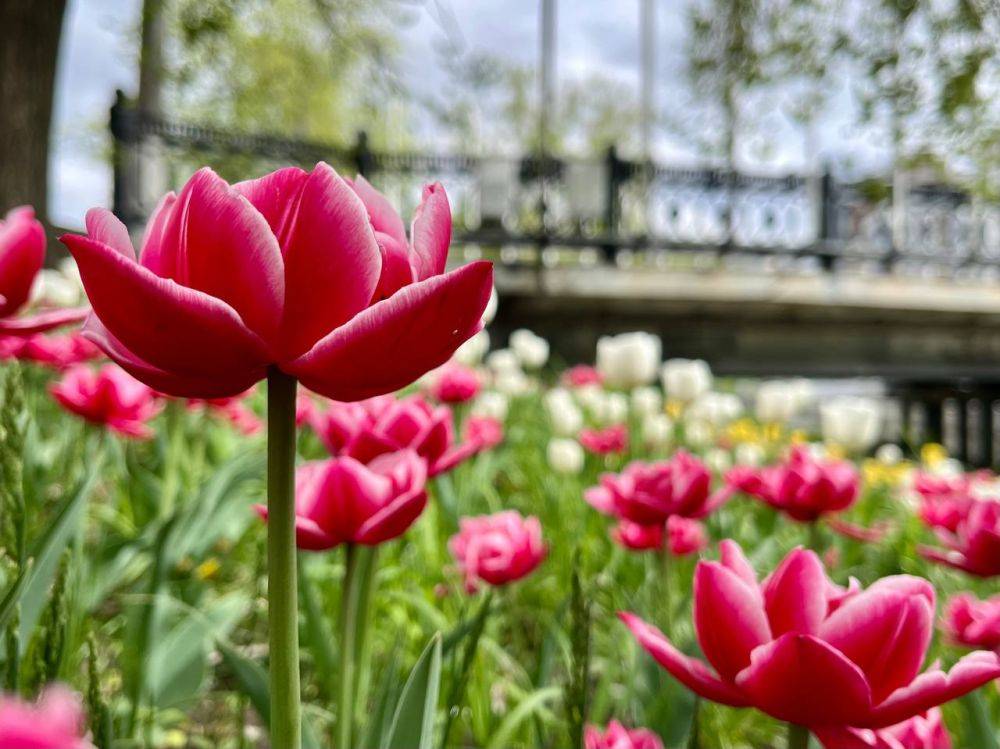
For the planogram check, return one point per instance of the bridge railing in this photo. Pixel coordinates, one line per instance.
(532, 209)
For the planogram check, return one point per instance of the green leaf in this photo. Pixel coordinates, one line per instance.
(380, 715)
(527, 707)
(10, 600)
(976, 729)
(413, 722)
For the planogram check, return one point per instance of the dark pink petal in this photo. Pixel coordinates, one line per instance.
(431, 232)
(934, 687)
(728, 618)
(396, 269)
(171, 327)
(216, 242)
(104, 226)
(848, 738)
(308, 535)
(394, 342)
(803, 680)
(276, 197)
(152, 253)
(690, 672)
(380, 211)
(732, 558)
(795, 594)
(31, 324)
(22, 253)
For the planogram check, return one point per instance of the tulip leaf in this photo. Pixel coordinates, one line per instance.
(976, 729)
(413, 722)
(379, 717)
(532, 703)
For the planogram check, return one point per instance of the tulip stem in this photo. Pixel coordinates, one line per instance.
(815, 537)
(798, 737)
(358, 573)
(282, 584)
(666, 572)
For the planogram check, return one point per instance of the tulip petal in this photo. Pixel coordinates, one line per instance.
(392, 343)
(382, 215)
(431, 232)
(732, 558)
(803, 680)
(728, 617)
(104, 226)
(22, 253)
(795, 594)
(934, 687)
(690, 672)
(171, 327)
(308, 535)
(214, 241)
(31, 324)
(180, 386)
(153, 254)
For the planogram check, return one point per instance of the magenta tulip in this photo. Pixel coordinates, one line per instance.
(497, 549)
(803, 650)
(55, 722)
(803, 487)
(485, 432)
(684, 536)
(649, 493)
(233, 409)
(607, 441)
(455, 383)
(285, 271)
(386, 424)
(55, 351)
(341, 501)
(108, 397)
(973, 623)
(618, 736)
(944, 502)
(919, 732)
(22, 254)
(582, 375)
(974, 547)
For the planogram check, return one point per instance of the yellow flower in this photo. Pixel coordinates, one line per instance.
(835, 452)
(932, 454)
(798, 437)
(207, 569)
(674, 409)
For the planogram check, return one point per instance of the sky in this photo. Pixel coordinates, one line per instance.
(98, 56)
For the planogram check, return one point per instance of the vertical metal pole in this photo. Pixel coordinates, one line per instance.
(151, 58)
(547, 72)
(647, 43)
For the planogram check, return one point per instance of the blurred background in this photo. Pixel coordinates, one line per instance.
(780, 187)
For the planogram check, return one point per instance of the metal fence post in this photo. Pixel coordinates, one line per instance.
(364, 162)
(827, 217)
(612, 210)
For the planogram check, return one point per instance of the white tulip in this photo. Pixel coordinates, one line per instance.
(471, 352)
(612, 409)
(513, 382)
(565, 456)
(718, 460)
(503, 361)
(889, 454)
(658, 430)
(591, 397)
(948, 468)
(686, 379)
(563, 413)
(491, 307)
(646, 400)
(491, 404)
(749, 454)
(717, 409)
(628, 359)
(853, 423)
(532, 350)
(55, 289)
(698, 434)
(782, 400)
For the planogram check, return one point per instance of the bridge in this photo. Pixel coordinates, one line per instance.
(759, 274)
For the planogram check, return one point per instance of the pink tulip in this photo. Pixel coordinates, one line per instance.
(484, 431)
(108, 397)
(974, 547)
(455, 383)
(607, 441)
(233, 409)
(386, 424)
(582, 375)
(684, 536)
(55, 722)
(497, 549)
(973, 623)
(56, 352)
(343, 501)
(306, 410)
(803, 650)
(283, 271)
(803, 487)
(944, 501)
(618, 736)
(22, 254)
(919, 732)
(649, 493)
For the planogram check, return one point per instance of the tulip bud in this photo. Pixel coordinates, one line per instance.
(628, 359)
(853, 423)
(658, 431)
(491, 404)
(471, 352)
(717, 409)
(531, 350)
(686, 379)
(646, 400)
(565, 456)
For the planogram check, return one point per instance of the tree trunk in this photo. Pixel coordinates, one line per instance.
(29, 46)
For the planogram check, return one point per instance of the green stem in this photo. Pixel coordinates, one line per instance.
(815, 537)
(798, 737)
(286, 719)
(666, 586)
(360, 567)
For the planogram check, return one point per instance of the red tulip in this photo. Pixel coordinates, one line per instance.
(974, 547)
(484, 431)
(612, 439)
(233, 409)
(649, 493)
(497, 549)
(284, 271)
(944, 502)
(803, 487)
(22, 254)
(109, 397)
(973, 623)
(57, 352)
(386, 424)
(919, 732)
(455, 383)
(802, 650)
(343, 501)
(582, 375)
(684, 536)
(55, 722)
(618, 736)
